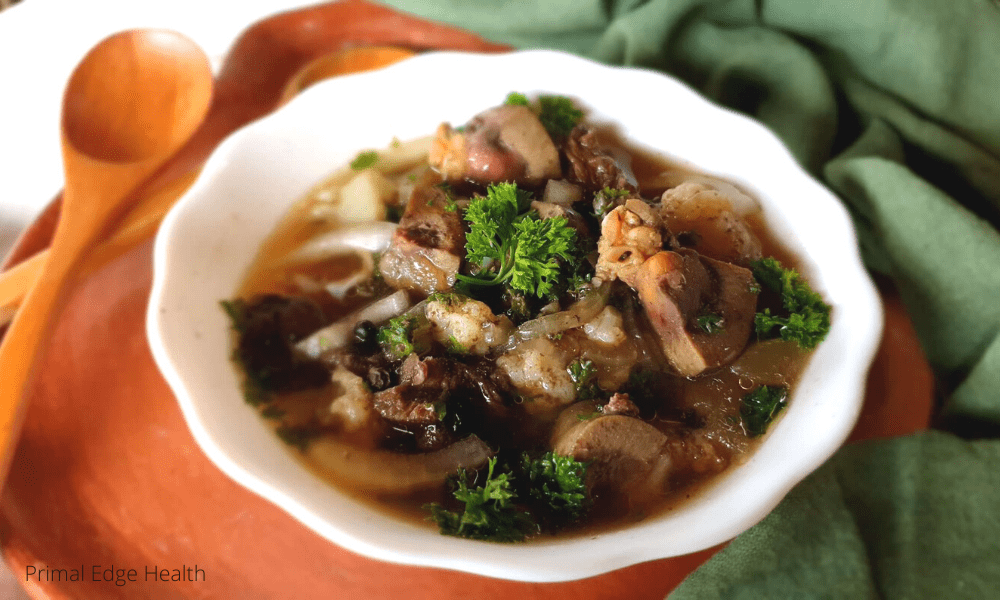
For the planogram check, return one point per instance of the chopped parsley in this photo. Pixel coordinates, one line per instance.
(593, 415)
(272, 412)
(558, 115)
(364, 160)
(606, 200)
(296, 436)
(454, 347)
(255, 383)
(446, 298)
(556, 487)
(527, 252)
(516, 99)
(584, 376)
(806, 319)
(710, 324)
(397, 337)
(760, 407)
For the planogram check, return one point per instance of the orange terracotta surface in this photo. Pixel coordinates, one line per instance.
(107, 473)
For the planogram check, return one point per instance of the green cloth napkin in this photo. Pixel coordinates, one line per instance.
(895, 105)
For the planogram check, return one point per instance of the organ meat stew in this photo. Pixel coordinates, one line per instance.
(522, 327)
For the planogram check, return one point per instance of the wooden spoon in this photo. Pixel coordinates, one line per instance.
(142, 221)
(132, 102)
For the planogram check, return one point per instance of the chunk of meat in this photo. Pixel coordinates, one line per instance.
(429, 381)
(422, 383)
(269, 325)
(630, 234)
(594, 165)
(427, 248)
(537, 370)
(621, 404)
(679, 288)
(630, 458)
(627, 456)
(466, 325)
(504, 143)
(704, 220)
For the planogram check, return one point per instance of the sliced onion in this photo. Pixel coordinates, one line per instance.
(581, 312)
(373, 236)
(339, 288)
(562, 193)
(393, 472)
(334, 337)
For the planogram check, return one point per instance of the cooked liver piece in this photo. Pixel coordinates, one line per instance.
(676, 288)
(426, 250)
(629, 457)
(626, 455)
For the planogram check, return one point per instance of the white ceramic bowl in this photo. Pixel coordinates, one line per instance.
(210, 238)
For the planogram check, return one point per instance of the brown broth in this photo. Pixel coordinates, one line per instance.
(715, 395)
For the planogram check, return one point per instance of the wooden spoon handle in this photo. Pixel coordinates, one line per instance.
(144, 219)
(139, 225)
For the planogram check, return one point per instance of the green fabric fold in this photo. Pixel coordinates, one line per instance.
(895, 105)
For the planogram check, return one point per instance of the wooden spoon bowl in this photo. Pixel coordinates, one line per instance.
(129, 105)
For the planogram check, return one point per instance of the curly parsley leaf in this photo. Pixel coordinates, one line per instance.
(516, 99)
(523, 250)
(584, 376)
(397, 337)
(807, 321)
(760, 407)
(489, 512)
(606, 200)
(558, 115)
(556, 485)
(364, 160)
(711, 324)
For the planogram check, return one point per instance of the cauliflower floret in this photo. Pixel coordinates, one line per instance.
(467, 324)
(630, 234)
(352, 406)
(537, 370)
(606, 327)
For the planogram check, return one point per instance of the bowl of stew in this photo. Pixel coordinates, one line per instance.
(523, 315)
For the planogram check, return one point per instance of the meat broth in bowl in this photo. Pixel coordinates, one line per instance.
(527, 327)
(522, 327)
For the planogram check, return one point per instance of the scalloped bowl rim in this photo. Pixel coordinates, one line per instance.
(254, 175)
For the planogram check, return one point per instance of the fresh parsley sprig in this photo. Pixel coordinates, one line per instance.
(556, 485)
(516, 500)
(808, 318)
(522, 250)
(489, 512)
(558, 114)
(584, 376)
(760, 407)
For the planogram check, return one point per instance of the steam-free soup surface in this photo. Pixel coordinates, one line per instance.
(523, 327)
